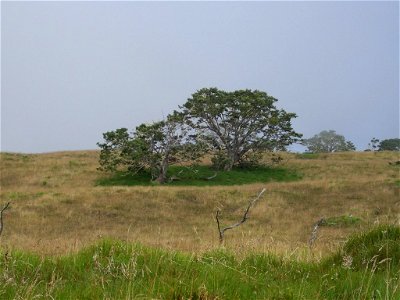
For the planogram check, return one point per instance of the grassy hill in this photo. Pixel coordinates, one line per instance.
(59, 208)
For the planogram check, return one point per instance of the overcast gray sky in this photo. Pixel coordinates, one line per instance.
(73, 70)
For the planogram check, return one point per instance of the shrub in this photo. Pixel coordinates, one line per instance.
(375, 250)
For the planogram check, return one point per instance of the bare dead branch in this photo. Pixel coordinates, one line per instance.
(1, 216)
(174, 178)
(314, 233)
(211, 177)
(221, 234)
(244, 218)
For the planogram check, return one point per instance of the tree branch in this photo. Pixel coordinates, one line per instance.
(1, 216)
(314, 233)
(210, 177)
(244, 218)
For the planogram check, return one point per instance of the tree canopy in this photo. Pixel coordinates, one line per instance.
(236, 127)
(152, 146)
(389, 145)
(328, 141)
(373, 144)
(239, 124)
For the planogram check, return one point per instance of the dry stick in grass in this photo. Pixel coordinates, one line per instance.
(211, 177)
(314, 233)
(1, 216)
(222, 231)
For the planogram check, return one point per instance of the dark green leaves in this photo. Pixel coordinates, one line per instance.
(151, 147)
(236, 126)
(239, 121)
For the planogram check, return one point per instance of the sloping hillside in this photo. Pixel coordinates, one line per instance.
(56, 206)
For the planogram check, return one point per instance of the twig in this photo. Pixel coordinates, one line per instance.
(174, 178)
(314, 233)
(245, 217)
(211, 177)
(1, 216)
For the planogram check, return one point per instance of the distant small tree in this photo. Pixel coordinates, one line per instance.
(389, 145)
(239, 125)
(151, 147)
(373, 144)
(328, 141)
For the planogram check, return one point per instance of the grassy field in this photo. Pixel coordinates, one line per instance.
(60, 206)
(117, 270)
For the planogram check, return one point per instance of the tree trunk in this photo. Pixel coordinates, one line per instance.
(232, 160)
(162, 176)
(228, 166)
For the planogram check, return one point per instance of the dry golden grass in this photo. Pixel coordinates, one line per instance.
(56, 207)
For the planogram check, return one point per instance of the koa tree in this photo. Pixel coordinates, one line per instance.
(328, 141)
(153, 147)
(239, 125)
(390, 145)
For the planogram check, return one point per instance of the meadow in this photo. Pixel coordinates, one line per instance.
(70, 225)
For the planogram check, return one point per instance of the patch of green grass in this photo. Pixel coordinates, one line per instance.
(341, 221)
(378, 249)
(117, 270)
(198, 176)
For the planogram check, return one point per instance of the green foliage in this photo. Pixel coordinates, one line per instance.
(237, 126)
(377, 249)
(328, 141)
(197, 176)
(373, 145)
(117, 270)
(152, 147)
(117, 150)
(220, 160)
(252, 159)
(236, 123)
(389, 145)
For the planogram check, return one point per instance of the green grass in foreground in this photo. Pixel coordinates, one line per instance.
(117, 270)
(197, 176)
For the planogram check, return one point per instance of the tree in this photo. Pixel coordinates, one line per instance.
(328, 141)
(151, 147)
(389, 145)
(374, 144)
(239, 124)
